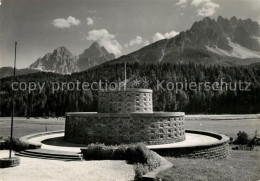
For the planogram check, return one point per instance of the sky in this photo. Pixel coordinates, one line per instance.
(122, 26)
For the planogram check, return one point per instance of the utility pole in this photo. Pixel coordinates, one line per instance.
(125, 77)
(12, 116)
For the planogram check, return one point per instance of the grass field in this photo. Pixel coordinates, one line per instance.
(241, 166)
(227, 127)
(23, 126)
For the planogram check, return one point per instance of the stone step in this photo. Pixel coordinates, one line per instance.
(47, 158)
(53, 154)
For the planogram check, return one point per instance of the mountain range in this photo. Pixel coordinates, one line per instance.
(62, 61)
(211, 42)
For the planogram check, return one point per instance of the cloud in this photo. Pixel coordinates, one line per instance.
(182, 3)
(171, 34)
(198, 2)
(205, 7)
(146, 42)
(158, 36)
(65, 23)
(90, 21)
(138, 40)
(104, 38)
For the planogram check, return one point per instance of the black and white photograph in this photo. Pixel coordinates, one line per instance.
(129, 90)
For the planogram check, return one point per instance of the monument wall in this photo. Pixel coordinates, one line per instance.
(129, 100)
(112, 128)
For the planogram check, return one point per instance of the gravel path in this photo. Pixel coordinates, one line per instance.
(32, 169)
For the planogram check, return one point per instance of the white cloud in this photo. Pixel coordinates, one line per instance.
(171, 34)
(182, 3)
(158, 36)
(205, 7)
(198, 2)
(136, 41)
(90, 21)
(146, 42)
(65, 23)
(104, 38)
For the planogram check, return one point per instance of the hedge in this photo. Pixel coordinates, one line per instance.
(144, 160)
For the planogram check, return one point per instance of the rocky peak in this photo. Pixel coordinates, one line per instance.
(62, 51)
(94, 45)
(61, 60)
(94, 55)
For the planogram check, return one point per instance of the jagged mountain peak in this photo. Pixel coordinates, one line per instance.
(61, 60)
(62, 51)
(94, 55)
(94, 45)
(222, 41)
(219, 41)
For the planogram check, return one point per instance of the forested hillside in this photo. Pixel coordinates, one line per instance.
(202, 101)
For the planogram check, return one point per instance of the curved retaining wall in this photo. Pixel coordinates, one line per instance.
(126, 101)
(211, 151)
(111, 128)
(30, 136)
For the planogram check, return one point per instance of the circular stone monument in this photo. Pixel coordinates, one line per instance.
(125, 117)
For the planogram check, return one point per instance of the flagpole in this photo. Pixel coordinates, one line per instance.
(12, 116)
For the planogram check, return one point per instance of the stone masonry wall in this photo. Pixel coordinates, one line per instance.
(117, 130)
(137, 100)
(208, 152)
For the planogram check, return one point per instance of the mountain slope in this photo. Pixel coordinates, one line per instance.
(8, 71)
(93, 56)
(209, 41)
(60, 61)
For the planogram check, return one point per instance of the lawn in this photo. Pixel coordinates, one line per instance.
(241, 165)
(23, 126)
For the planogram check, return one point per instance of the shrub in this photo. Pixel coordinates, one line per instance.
(120, 152)
(133, 153)
(255, 141)
(244, 143)
(137, 153)
(242, 138)
(17, 144)
(140, 170)
(98, 152)
(143, 159)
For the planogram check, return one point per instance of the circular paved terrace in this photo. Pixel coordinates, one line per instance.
(198, 144)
